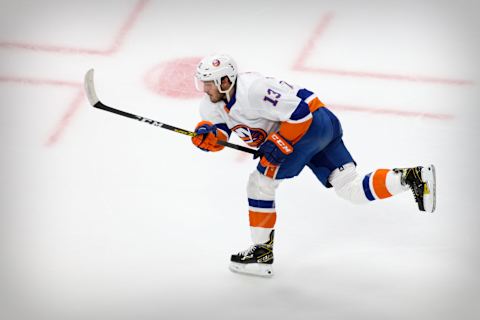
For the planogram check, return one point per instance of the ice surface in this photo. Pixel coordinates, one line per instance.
(103, 217)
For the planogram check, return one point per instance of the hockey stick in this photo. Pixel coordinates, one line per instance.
(96, 103)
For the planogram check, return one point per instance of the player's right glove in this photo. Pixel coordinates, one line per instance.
(207, 136)
(274, 150)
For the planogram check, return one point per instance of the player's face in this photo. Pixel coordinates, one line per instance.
(211, 89)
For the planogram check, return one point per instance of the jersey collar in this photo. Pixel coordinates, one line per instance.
(232, 101)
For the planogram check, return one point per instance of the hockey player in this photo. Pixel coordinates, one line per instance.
(292, 129)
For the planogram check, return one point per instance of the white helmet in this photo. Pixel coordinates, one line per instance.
(214, 68)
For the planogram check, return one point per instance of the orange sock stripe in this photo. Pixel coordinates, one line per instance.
(262, 219)
(380, 184)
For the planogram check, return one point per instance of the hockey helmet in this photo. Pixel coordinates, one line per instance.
(214, 68)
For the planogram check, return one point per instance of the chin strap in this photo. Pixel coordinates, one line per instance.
(228, 94)
(218, 85)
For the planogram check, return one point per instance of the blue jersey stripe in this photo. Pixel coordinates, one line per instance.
(304, 93)
(366, 187)
(261, 203)
(224, 127)
(232, 101)
(301, 112)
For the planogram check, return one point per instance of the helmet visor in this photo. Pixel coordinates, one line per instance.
(203, 85)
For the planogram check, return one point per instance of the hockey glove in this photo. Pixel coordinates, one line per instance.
(274, 150)
(207, 137)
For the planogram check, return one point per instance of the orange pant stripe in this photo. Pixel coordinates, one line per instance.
(271, 171)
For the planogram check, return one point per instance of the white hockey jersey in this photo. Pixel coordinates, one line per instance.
(258, 107)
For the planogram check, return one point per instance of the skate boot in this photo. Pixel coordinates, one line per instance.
(421, 181)
(256, 260)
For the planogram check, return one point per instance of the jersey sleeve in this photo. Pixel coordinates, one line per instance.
(279, 101)
(210, 112)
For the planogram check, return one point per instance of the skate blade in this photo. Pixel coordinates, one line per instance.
(430, 192)
(252, 269)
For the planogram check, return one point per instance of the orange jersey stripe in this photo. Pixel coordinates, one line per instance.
(315, 104)
(262, 219)
(380, 183)
(294, 131)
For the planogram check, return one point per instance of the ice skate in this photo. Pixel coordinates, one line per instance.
(256, 260)
(421, 181)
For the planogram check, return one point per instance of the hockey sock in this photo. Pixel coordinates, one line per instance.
(382, 184)
(262, 215)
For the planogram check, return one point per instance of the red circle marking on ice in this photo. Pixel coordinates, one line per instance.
(174, 78)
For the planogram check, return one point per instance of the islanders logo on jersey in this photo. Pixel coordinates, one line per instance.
(254, 137)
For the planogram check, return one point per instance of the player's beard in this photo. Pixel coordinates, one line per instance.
(217, 97)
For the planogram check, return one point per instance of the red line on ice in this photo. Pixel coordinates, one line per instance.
(386, 76)
(79, 97)
(322, 26)
(308, 48)
(392, 112)
(39, 82)
(113, 48)
(73, 107)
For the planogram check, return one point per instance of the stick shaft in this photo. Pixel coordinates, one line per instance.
(95, 102)
(100, 105)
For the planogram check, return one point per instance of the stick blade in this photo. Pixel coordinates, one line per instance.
(90, 88)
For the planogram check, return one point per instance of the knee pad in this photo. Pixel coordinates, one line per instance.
(261, 187)
(348, 184)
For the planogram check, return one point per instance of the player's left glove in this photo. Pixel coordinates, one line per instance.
(274, 150)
